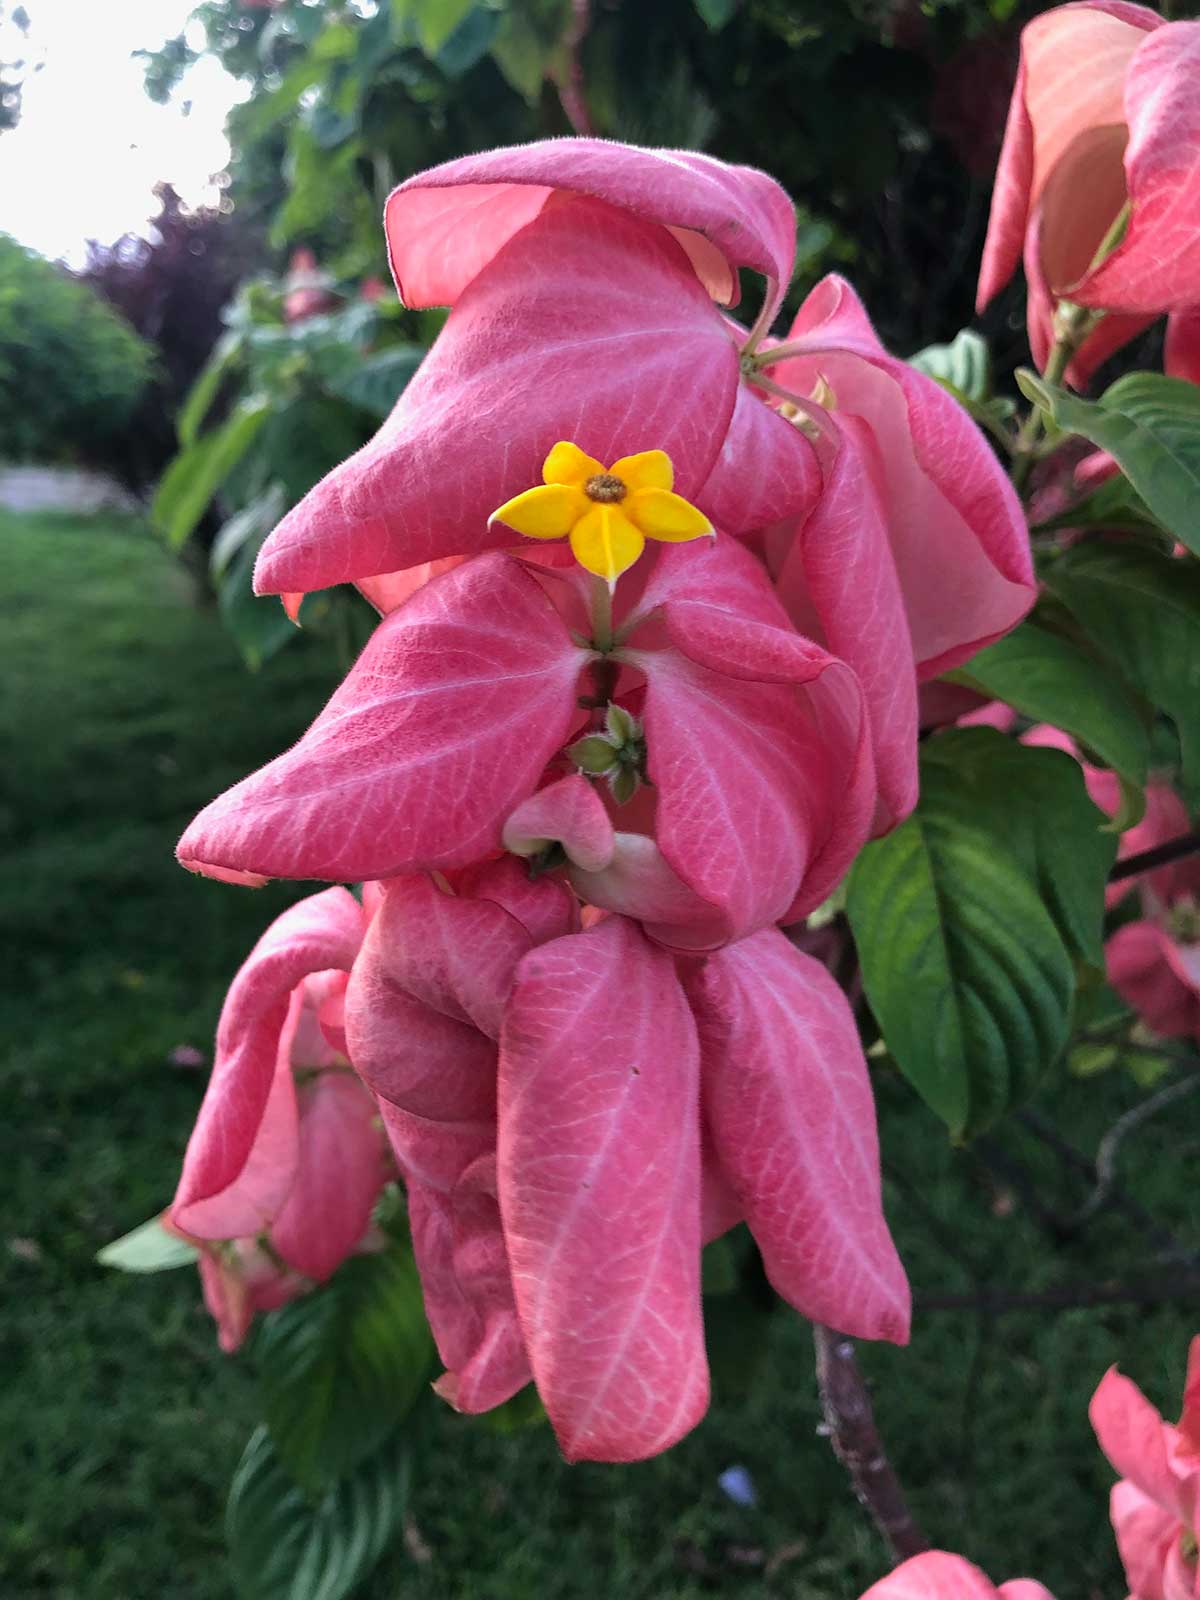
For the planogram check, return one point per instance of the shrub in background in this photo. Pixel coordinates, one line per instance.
(71, 370)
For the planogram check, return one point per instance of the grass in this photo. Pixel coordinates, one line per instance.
(124, 708)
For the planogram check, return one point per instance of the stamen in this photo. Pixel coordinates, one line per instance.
(605, 487)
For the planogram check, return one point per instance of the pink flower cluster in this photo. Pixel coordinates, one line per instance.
(584, 816)
(1098, 188)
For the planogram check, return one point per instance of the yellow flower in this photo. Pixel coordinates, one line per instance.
(607, 513)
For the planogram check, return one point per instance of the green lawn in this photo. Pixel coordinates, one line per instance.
(123, 709)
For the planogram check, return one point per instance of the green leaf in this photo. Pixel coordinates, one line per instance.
(964, 365)
(469, 42)
(524, 1410)
(965, 970)
(523, 54)
(197, 472)
(1049, 679)
(375, 384)
(715, 13)
(149, 1248)
(341, 1367)
(1036, 801)
(1151, 426)
(285, 1546)
(1142, 610)
(203, 392)
(257, 623)
(435, 20)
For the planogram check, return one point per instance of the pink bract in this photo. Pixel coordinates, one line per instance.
(938, 1575)
(1155, 1505)
(788, 1107)
(286, 1148)
(536, 249)
(377, 788)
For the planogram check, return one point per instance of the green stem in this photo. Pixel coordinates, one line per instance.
(602, 617)
(1072, 324)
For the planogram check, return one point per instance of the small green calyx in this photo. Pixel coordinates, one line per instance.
(593, 754)
(618, 753)
(1183, 920)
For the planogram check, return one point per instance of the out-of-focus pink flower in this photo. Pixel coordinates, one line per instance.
(1155, 1506)
(938, 1575)
(379, 786)
(307, 291)
(287, 1157)
(1154, 962)
(1105, 112)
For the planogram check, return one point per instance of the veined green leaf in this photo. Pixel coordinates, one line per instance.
(1150, 425)
(284, 1545)
(342, 1367)
(1049, 679)
(963, 965)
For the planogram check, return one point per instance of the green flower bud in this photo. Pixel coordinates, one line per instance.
(593, 753)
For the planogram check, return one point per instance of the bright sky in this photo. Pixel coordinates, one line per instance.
(90, 145)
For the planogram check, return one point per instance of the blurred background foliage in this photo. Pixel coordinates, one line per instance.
(72, 371)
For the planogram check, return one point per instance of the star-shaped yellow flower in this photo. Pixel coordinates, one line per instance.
(607, 513)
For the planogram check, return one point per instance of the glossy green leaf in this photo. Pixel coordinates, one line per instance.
(375, 384)
(284, 1545)
(149, 1248)
(965, 970)
(1049, 679)
(1036, 802)
(963, 365)
(1142, 610)
(1150, 425)
(342, 1367)
(196, 474)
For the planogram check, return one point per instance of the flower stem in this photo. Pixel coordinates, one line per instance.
(601, 614)
(1072, 324)
(857, 1445)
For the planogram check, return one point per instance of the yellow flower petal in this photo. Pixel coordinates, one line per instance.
(650, 469)
(568, 464)
(547, 512)
(606, 542)
(665, 516)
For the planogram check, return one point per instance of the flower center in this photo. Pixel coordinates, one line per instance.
(605, 487)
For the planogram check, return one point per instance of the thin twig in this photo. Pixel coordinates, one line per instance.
(1187, 844)
(1106, 1155)
(1162, 1239)
(857, 1445)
